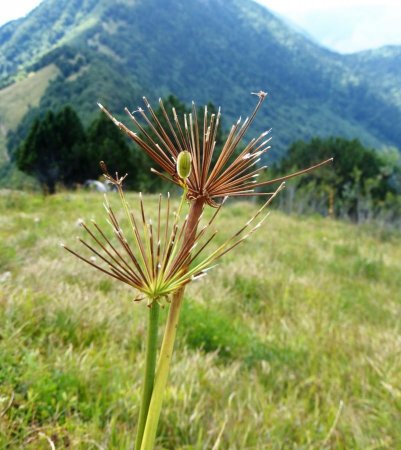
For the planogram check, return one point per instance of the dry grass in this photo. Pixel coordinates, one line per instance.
(302, 317)
(16, 99)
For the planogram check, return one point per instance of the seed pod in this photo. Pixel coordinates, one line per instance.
(184, 164)
(103, 166)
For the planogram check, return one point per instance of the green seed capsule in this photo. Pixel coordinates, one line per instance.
(184, 164)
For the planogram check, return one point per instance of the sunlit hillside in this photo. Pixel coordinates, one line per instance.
(16, 99)
(292, 342)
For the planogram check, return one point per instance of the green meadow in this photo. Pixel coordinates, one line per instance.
(292, 342)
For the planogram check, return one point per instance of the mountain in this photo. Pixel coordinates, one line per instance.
(381, 69)
(82, 51)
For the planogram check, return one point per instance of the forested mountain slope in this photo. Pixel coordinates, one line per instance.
(205, 50)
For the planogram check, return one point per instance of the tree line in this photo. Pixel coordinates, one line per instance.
(58, 149)
(362, 183)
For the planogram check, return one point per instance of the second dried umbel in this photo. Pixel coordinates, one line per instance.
(154, 257)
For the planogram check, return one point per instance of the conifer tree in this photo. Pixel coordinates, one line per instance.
(54, 149)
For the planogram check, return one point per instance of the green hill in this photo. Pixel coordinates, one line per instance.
(203, 50)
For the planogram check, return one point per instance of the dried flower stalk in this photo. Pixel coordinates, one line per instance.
(163, 260)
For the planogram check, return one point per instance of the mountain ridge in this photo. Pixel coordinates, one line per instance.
(203, 50)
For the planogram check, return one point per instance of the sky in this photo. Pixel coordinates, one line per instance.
(15, 9)
(342, 25)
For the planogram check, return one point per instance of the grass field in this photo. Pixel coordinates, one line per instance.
(292, 342)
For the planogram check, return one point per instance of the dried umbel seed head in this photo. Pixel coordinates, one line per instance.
(229, 171)
(158, 259)
(184, 164)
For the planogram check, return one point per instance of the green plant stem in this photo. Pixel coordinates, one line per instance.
(162, 372)
(150, 366)
(167, 347)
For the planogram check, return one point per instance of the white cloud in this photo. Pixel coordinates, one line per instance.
(345, 25)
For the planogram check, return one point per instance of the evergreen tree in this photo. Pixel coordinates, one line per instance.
(54, 149)
(73, 153)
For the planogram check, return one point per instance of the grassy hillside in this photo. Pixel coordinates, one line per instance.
(303, 317)
(17, 98)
